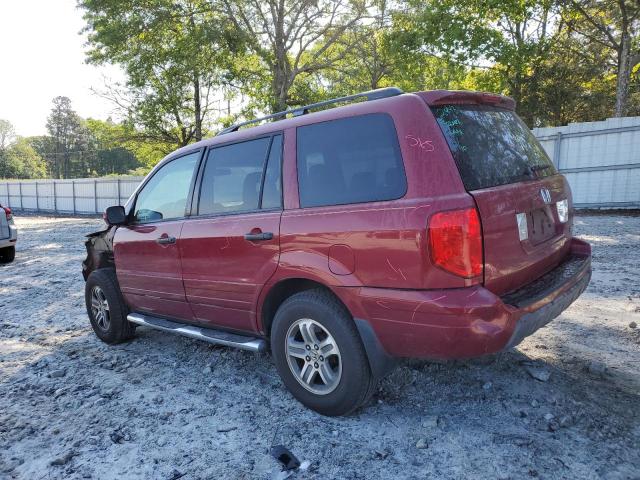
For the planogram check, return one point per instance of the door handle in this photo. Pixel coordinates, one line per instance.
(258, 237)
(166, 240)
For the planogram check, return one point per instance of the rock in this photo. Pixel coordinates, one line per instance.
(487, 386)
(633, 325)
(422, 444)
(176, 474)
(539, 373)
(565, 421)
(64, 459)
(226, 429)
(59, 373)
(535, 403)
(304, 466)
(116, 437)
(549, 416)
(206, 369)
(377, 454)
(430, 422)
(597, 368)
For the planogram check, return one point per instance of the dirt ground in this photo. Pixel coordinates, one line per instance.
(167, 407)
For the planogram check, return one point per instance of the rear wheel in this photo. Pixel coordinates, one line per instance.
(7, 254)
(319, 354)
(106, 307)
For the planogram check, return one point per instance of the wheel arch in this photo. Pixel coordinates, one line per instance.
(380, 361)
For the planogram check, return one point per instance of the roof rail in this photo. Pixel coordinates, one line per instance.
(370, 95)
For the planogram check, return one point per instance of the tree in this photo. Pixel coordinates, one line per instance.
(70, 138)
(20, 160)
(175, 54)
(516, 36)
(293, 38)
(614, 24)
(7, 133)
(114, 148)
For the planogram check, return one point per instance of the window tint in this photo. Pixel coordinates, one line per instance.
(491, 146)
(272, 189)
(232, 177)
(165, 194)
(350, 160)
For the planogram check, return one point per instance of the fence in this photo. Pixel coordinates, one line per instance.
(79, 196)
(601, 160)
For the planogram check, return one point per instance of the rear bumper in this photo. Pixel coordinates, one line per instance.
(469, 322)
(11, 240)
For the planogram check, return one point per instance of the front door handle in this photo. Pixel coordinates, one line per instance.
(258, 237)
(165, 240)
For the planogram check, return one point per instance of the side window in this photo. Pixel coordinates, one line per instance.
(272, 189)
(350, 160)
(165, 196)
(233, 177)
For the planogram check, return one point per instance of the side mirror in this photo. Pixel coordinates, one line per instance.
(115, 215)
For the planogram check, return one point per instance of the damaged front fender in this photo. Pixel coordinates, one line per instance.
(99, 247)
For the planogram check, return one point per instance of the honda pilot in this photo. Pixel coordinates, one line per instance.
(427, 225)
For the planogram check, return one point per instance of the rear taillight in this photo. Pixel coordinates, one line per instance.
(455, 242)
(7, 212)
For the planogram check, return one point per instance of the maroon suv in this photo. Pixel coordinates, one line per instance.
(429, 224)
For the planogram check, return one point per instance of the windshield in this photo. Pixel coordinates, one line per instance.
(491, 146)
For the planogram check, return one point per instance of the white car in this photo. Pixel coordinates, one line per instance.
(8, 235)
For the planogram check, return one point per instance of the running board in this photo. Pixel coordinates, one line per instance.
(200, 333)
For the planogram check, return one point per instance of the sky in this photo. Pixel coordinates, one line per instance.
(41, 57)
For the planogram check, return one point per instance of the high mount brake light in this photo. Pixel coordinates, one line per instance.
(455, 242)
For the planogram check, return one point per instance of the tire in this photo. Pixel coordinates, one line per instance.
(102, 286)
(347, 370)
(7, 254)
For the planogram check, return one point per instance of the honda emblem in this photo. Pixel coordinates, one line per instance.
(546, 195)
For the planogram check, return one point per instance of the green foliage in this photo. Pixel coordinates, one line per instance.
(175, 55)
(20, 160)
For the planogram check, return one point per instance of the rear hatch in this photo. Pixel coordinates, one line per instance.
(523, 202)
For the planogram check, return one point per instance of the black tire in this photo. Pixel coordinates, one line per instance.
(7, 254)
(119, 329)
(356, 382)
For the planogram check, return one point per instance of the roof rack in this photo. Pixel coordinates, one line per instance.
(370, 95)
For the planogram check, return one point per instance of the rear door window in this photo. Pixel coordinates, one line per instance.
(350, 160)
(236, 175)
(491, 146)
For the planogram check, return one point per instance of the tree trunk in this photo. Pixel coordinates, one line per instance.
(623, 75)
(197, 108)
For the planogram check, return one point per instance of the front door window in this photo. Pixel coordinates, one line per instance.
(164, 197)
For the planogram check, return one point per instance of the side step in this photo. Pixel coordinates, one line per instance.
(200, 333)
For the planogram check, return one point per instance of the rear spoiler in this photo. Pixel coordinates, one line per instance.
(463, 97)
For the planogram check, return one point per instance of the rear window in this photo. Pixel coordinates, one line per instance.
(491, 146)
(350, 160)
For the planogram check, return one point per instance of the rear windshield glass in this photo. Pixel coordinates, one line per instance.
(491, 146)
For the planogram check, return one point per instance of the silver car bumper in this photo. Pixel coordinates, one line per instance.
(13, 236)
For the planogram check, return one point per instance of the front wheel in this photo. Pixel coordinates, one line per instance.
(106, 307)
(319, 354)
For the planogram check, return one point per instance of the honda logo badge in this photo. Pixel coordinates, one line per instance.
(546, 195)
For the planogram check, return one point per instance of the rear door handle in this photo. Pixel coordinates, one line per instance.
(258, 237)
(166, 240)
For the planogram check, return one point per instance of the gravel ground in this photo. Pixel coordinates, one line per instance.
(166, 407)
